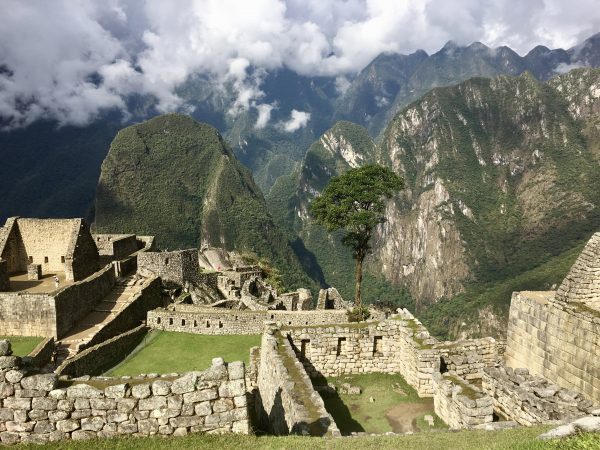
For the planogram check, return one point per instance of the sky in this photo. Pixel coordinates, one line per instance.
(69, 60)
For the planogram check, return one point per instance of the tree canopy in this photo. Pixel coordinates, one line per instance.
(355, 202)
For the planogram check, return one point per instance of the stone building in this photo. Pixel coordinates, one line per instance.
(557, 334)
(48, 246)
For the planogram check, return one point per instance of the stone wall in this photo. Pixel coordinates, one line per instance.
(174, 268)
(210, 279)
(556, 340)
(199, 320)
(4, 277)
(75, 301)
(530, 400)
(84, 259)
(288, 402)
(24, 314)
(42, 353)
(116, 246)
(98, 358)
(35, 410)
(148, 298)
(398, 345)
(458, 404)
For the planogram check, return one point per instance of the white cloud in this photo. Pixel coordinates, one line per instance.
(69, 60)
(298, 119)
(264, 115)
(564, 67)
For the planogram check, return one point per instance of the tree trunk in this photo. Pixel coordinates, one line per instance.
(358, 277)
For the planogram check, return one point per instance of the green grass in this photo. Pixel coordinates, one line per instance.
(517, 439)
(167, 352)
(357, 413)
(23, 345)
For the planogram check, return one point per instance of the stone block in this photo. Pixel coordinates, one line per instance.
(185, 384)
(81, 435)
(6, 389)
(147, 404)
(44, 426)
(161, 387)
(67, 425)
(83, 391)
(9, 438)
(188, 421)
(222, 404)
(126, 404)
(92, 423)
(37, 414)
(9, 362)
(116, 416)
(17, 403)
(127, 428)
(81, 403)
(141, 391)
(103, 403)
(14, 376)
(34, 272)
(236, 370)
(116, 391)
(203, 409)
(200, 396)
(46, 382)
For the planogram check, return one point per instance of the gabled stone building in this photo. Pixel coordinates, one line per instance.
(48, 246)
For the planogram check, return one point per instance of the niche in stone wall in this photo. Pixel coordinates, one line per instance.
(443, 365)
(303, 347)
(170, 321)
(341, 342)
(377, 345)
(31, 260)
(183, 322)
(158, 320)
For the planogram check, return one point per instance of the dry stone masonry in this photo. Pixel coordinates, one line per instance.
(530, 400)
(35, 409)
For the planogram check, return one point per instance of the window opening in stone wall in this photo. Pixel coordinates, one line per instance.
(45, 259)
(195, 323)
(377, 345)
(166, 261)
(236, 317)
(170, 321)
(220, 324)
(158, 320)
(31, 260)
(182, 322)
(329, 304)
(207, 324)
(443, 365)
(289, 323)
(272, 316)
(339, 346)
(303, 345)
(62, 259)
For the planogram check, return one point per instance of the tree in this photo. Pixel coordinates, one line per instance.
(354, 202)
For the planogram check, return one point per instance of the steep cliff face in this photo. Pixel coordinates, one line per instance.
(175, 178)
(501, 175)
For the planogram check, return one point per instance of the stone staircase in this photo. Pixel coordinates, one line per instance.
(105, 311)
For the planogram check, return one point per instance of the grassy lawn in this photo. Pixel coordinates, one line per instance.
(518, 439)
(167, 352)
(391, 394)
(23, 345)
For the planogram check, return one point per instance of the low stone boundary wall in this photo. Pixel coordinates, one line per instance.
(35, 410)
(102, 356)
(42, 353)
(132, 315)
(193, 319)
(288, 402)
(530, 400)
(458, 404)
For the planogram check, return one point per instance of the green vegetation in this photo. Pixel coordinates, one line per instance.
(355, 413)
(167, 352)
(23, 345)
(176, 179)
(444, 319)
(354, 202)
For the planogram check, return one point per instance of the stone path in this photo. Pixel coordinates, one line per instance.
(121, 295)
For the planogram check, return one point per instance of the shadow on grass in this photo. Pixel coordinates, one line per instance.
(340, 413)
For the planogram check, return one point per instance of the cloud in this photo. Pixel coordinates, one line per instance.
(564, 67)
(298, 119)
(264, 115)
(69, 61)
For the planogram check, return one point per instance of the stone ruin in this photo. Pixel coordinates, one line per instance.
(546, 371)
